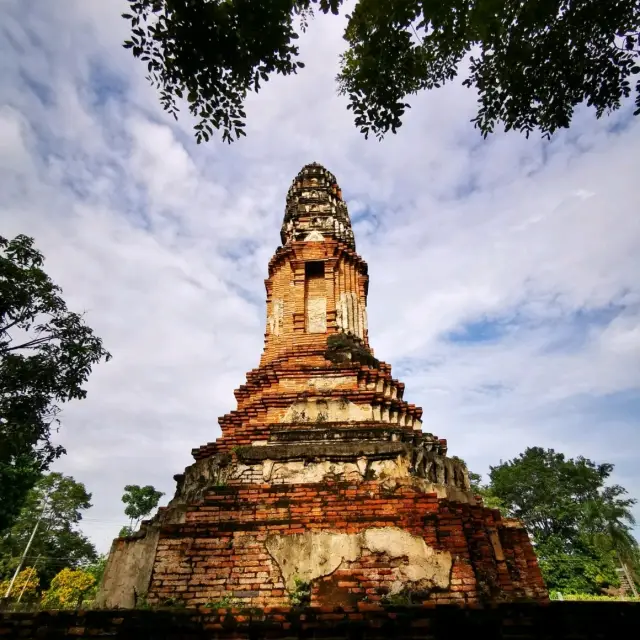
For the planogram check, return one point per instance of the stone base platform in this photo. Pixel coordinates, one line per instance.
(328, 544)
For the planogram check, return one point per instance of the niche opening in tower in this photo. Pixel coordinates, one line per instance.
(315, 297)
(314, 269)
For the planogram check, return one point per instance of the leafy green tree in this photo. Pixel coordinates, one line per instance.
(58, 543)
(578, 568)
(46, 355)
(531, 61)
(140, 501)
(553, 495)
(607, 521)
(581, 528)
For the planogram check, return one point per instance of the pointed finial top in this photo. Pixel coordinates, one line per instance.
(315, 209)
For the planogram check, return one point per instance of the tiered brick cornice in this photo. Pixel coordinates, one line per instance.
(268, 378)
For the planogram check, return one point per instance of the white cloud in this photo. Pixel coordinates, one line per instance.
(165, 244)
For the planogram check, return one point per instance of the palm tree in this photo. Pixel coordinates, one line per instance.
(608, 522)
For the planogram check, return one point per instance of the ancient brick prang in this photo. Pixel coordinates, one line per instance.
(323, 486)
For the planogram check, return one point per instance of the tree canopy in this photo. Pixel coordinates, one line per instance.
(532, 62)
(58, 542)
(46, 356)
(140, 501)
(581, 526)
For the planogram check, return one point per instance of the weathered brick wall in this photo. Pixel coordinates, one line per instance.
(554, 621)
(288, 289)
(220, 549)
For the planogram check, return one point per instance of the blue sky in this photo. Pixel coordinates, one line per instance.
(504, 272)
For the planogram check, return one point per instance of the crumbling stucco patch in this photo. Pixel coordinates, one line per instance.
(385, 469)
(303, 471)
(313, 410)
(316, 315)
(314, 236)
(308, 556)
(321, 383)
(277, 316)
(128, 571)
(426, 566)
(349, 314)
(299, 471)
(334, 382)
(199, 477)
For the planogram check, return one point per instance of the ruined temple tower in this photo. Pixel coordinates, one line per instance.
(324, 488)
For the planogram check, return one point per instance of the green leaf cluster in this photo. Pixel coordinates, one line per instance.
(343, 348)
(300, 596)
(589, 597)
(140, 501)
(96, 569)
(46, 356)
(213, 52)
(578, 568)
(532, 62)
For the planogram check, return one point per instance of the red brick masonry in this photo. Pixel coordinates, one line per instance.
(220, 549)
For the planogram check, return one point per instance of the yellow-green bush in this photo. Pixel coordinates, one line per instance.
(68, 589)
(27, 579)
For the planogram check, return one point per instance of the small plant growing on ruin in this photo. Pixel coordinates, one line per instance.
(342, 348)
(403, 598)
(227, 602)
(301, 594)
(141, 602)
(173, 603)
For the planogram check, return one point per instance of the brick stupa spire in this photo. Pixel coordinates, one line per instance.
(323, 487)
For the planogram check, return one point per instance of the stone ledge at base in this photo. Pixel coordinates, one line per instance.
(551, 621)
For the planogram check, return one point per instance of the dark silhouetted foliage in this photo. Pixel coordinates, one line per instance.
(531, 61)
